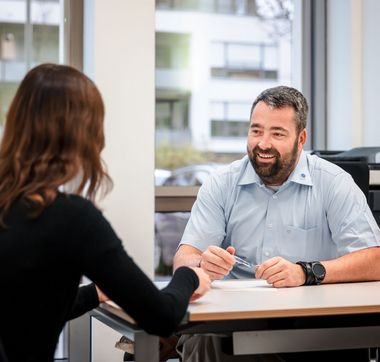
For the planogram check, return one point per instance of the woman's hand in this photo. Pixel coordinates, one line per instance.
(102, 297)
(204, 284)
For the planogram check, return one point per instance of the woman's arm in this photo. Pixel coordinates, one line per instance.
(87, 298)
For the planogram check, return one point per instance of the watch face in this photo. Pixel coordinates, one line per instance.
(319, 270)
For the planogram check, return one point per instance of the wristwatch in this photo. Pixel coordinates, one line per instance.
(319, 272)
(315, 272)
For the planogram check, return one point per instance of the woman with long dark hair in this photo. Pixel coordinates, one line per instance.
(49, 238)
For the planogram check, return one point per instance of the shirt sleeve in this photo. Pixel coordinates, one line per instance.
(104, 260)
(350, 219)
(85, 300)
(207, 223)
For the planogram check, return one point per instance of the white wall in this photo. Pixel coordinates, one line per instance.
(343, 89)
(353, 73)
(371, 72)
(120, 59)
(123, 69)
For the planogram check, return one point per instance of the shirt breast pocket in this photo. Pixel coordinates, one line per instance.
(300, 244)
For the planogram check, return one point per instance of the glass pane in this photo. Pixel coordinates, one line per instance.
(12, 61)
(186, 4)
(163, 118)
(229, 129)
(45, 44)
(45, 17)
(29, 35)
(13, 11)
(12, 55)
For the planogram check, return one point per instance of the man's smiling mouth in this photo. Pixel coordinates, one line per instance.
(265, 155)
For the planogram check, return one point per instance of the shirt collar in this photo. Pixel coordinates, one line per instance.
(300, 174)
(249, 175)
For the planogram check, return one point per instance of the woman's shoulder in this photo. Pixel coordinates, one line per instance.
(72, 209)
(72, 199)
(73, 204)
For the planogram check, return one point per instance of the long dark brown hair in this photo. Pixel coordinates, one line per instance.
(53, 134)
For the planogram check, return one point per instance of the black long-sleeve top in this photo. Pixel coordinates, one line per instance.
(41, 262)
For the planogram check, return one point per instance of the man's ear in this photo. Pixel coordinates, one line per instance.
(302, 137)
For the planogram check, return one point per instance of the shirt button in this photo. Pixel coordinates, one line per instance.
(266, 253)
(275, 197)
(270, 225)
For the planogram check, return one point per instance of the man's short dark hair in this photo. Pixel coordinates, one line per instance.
(283, 96)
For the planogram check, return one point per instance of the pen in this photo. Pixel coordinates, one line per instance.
(244, 262)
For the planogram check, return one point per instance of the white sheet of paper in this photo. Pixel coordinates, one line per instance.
(243, 284)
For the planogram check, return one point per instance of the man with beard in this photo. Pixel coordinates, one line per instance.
(300, 219)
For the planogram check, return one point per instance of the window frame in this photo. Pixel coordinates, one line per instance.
(73, 33)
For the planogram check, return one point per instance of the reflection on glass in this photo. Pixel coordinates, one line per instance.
(45, 22)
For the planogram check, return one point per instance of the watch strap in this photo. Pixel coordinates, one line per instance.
(306, 266)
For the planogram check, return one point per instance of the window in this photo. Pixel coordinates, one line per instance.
(172, 125)
(172, 84)
(228, 129)
(29, 35)
(229, 119)
(244, 61)
(237, 7)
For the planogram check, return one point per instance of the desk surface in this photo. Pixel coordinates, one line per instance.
(269, 302)
(237, 300)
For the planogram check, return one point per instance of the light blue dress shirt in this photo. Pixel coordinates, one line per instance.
(319, 213)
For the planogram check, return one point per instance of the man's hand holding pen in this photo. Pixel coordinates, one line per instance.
(217, 262)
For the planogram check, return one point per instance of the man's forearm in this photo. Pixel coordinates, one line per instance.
(362, 265)
(187, 256)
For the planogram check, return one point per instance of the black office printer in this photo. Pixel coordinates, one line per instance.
(357, 161)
